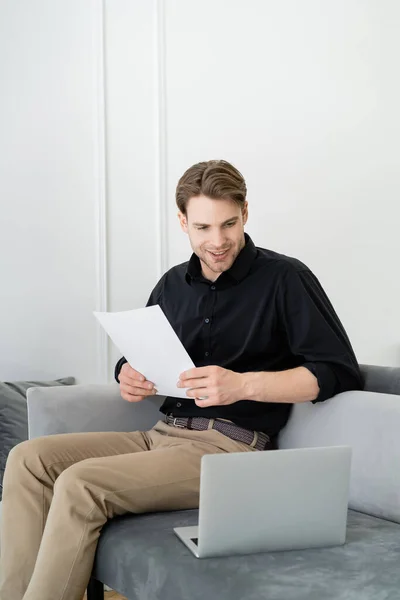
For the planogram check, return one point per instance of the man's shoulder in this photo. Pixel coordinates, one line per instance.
(281, 263)
(178, 270)
(169, 281)
(175, 274)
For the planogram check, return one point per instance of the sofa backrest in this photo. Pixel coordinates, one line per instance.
(381, 379)
(369, 422)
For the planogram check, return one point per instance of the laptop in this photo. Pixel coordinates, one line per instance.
(272, 500)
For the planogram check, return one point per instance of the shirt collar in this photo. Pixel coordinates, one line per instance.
(238, 270)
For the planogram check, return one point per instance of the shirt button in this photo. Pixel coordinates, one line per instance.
(206, 354)
(178, 404)
(206, 320)
(213, 287)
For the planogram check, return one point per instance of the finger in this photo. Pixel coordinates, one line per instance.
(195, 373)
(193, 383)
(130, 372)
(138, 391)
(130, 384)
(127, 367)
(204, 403)
(129, 393)
(197, 392)
(131, 398)
(134, 397)
(146, 385)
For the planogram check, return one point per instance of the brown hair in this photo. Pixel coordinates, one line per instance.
(215, 179)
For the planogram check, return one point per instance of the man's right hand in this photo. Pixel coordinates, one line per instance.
(133, 385)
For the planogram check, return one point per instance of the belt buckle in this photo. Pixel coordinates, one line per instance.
(177, 424)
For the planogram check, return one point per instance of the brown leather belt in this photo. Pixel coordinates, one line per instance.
(256, 439)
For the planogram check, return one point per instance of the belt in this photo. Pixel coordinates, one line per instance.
(256, 439)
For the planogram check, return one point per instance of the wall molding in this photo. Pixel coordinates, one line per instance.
(100, 183)
(160, 137)
(100, 163)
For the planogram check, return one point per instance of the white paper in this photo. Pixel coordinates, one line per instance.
(150, 345)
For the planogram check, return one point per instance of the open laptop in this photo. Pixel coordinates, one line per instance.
(271, 500)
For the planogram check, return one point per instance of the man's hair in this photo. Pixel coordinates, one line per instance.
(216, 179)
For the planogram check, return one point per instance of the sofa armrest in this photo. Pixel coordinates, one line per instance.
(79, 408)
(381, 379)
(369, 422)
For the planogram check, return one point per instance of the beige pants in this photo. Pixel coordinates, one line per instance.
(60, 490)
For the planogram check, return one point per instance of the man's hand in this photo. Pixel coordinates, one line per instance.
(216, 385)
(133, 385)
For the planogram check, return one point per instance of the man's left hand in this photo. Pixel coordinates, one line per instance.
(216, 385)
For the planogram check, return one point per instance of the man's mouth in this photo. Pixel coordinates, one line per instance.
(217, 256)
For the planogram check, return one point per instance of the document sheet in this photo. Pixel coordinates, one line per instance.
(150, 345)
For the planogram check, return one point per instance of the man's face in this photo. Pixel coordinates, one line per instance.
(216, 232)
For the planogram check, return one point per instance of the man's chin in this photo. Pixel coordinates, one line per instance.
(219, 267)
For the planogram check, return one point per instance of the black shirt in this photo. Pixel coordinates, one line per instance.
(268, 312)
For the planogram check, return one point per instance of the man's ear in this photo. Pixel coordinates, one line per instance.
(183, 221)
(245, 212)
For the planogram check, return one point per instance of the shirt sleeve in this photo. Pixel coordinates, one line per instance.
(155, 298)
(315, 334)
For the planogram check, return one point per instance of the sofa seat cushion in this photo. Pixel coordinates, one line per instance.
(140, 557)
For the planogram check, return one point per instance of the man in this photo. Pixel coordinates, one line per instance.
(263, 335)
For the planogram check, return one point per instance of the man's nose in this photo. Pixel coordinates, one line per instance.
(218, 239)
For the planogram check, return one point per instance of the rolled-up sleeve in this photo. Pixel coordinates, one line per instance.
(315, 334)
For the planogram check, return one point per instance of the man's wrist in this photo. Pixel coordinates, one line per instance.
(255, 386)
(293, 385)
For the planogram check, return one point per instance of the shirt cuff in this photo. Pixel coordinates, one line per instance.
(118, 368)
(326, 380)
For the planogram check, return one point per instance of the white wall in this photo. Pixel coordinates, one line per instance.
(131, 154)
(302, 97)
(47, 190)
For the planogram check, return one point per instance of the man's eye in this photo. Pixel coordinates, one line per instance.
(230, 224)
(201, 228)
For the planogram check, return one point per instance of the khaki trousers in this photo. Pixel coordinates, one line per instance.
(60, 490)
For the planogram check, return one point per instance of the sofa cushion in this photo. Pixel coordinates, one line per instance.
(13, 415)
(369, 422)
(140, 557)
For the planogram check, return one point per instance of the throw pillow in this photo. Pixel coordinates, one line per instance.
(14, 417)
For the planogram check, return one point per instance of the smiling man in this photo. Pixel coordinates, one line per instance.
(262, 334)
(257, 324)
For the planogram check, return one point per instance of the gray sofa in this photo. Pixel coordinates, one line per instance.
(140, 556)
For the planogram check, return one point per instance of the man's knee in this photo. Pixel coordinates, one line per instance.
(74, 479)
(26, 453)
(76, 488)
(34, 457)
